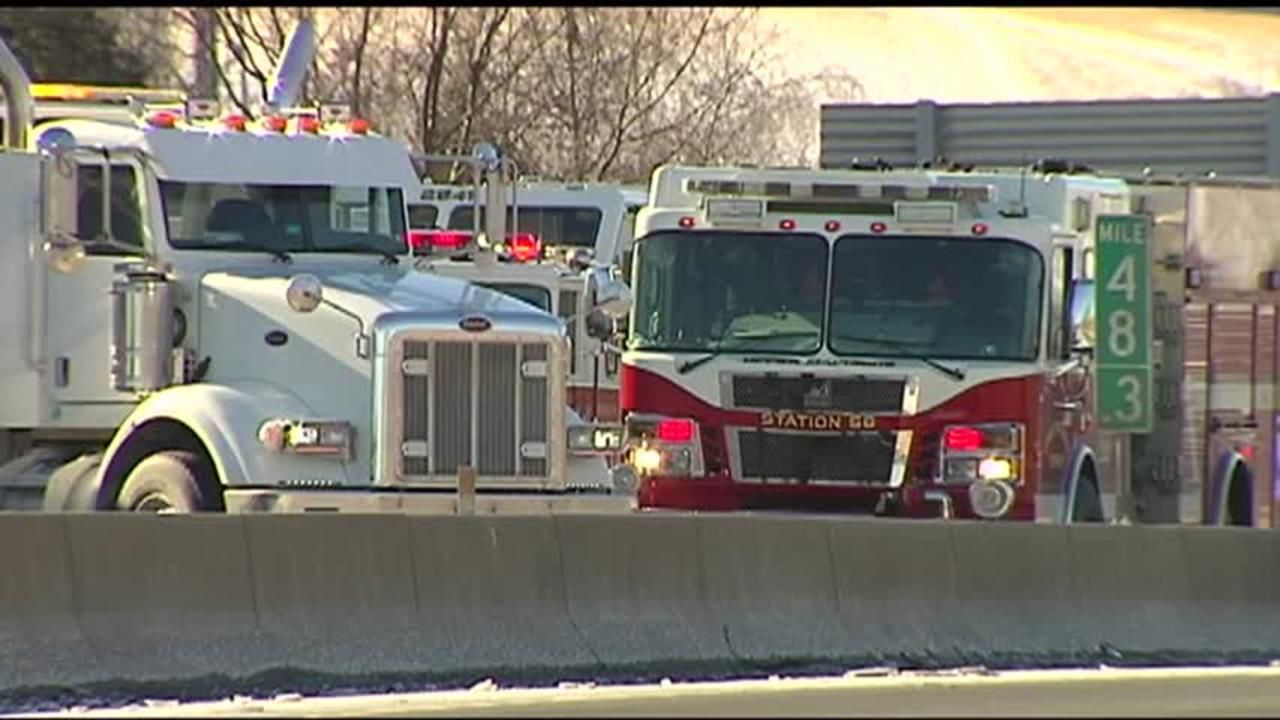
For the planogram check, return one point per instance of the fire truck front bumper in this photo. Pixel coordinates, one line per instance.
(722, 494)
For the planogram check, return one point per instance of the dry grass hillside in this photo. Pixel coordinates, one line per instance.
(903, 54)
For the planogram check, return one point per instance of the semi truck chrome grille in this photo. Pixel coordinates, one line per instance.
(482, 404)
(861, 458)
(814, 393)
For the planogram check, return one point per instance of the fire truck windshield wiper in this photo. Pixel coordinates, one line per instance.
(388, 256)
(718, 348)
(953, 373)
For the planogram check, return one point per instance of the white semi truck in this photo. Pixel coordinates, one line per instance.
(204, 312)
(558, 232)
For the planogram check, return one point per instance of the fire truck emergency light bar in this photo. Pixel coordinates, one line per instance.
(840, 191)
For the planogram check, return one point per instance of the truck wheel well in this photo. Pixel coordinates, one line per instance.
(1088, 471)
(1088, 478)
(151, 437)
(1240, 496)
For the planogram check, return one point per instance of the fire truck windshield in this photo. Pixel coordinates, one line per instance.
(959, 298)
(284, 218)
(729, 292)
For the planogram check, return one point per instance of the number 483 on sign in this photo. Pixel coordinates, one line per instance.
(1123, 302)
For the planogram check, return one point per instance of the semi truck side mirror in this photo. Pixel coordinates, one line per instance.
(1081, 322)
(64, 252)
(608, 294)
(600, 325)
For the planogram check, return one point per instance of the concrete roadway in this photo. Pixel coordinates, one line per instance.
(1180, 692)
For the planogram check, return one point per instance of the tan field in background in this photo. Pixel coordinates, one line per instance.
(904, 54)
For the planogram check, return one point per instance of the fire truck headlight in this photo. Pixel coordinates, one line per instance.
(995, 468)
(987, 451)
(667, 446)
(647, 460)
(679, 461)
(624, 479)
(961, 470)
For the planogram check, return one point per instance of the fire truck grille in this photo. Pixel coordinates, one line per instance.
(470, 403)
(800, 393)
(864, 458)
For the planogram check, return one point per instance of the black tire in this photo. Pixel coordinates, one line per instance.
(172, 481)
(1087, 507)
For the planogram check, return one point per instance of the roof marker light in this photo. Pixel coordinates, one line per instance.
(525, 247)
(201, 109)
(686, 222)
(979, 229)
(878, 227)
(832, 226)
(235, 122)
(162, 119)
(358, 126)
(308, 124)
(787, 224)
(275, 123)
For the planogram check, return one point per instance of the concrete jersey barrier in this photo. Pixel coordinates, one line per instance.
(97, 599)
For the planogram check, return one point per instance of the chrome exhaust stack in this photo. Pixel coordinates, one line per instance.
(19, 107)
(291, 69)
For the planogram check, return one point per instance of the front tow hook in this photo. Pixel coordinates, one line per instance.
(943, 498)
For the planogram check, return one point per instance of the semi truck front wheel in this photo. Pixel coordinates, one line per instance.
(171, 481)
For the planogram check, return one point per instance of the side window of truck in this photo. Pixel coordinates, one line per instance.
(423, 217)
(126, 208)
(1059, 297)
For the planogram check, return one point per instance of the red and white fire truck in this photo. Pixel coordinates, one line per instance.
(919, 343)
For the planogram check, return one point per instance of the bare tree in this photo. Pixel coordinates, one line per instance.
(255, 38)
(571, 92)
(612, 92)
(163, 37)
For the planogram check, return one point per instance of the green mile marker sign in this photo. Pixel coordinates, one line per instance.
(1122, 387)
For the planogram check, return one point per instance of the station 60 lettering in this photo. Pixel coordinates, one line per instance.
(836, 421)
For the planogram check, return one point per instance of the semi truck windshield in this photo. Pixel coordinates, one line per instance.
(284, 218)
(729, 291)
(942, 297)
